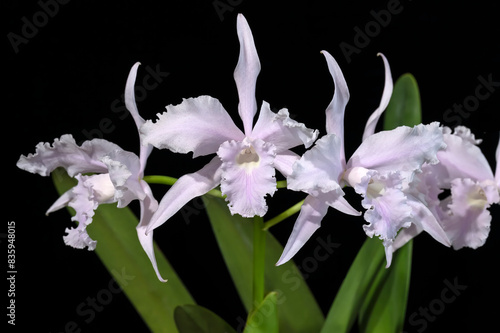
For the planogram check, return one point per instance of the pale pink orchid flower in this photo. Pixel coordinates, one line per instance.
(105, 173)
(245, 161)
(379, 170)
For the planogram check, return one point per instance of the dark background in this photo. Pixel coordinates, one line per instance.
(69, 75)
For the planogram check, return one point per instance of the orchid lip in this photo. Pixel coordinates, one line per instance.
(477, 199)
(248, 158)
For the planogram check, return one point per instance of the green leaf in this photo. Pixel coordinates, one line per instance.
(119, 249)
(264, 319)
(197, 319)
(298, 310)
(355, 287)
(404, 107)
(384, 307)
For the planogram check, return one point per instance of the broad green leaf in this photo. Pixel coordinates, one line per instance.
(193, 318)
(264, 319)
(384, 307)
(404, 107)
(355, 287)
(298, 310)
(120, 251)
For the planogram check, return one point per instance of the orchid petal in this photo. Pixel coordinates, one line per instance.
(336, 109)
(387, 214)
(146, 240)
(319, 169)
(497, 172)
(387, 209)
(247, 175)
(462, 158)
(124, 172)
(148, 206)
(343, 206)
(79, 238)
(184, 189)
(281, 130)
(246, 73)
(468, 223)
(65, 153)
(405, 235)
(199, 125)
(386, 97)
(283, 162)
(130, 103)
(309, 220)
(131, 106)
(425, 220)
(405, 149)
(85, 198)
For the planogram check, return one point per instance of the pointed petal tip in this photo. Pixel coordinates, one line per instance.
(282, 260)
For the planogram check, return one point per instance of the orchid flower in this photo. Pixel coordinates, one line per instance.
(465, 172)
(246, 160)
(115, 175)
(379, 171)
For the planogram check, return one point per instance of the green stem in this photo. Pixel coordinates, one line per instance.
(287, 213)
(259, 246)
(281, 184)
(166, 180)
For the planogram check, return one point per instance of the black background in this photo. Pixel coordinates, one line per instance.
(70, 74)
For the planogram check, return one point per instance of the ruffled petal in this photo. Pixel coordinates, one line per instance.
(199, 125)
(247, 175)
(386, 97)
(282, 131)
(462, 158)
(85, 198)
(387, 208)
(387, 214)
(405, 149)
(319, 169)
(64, 152)
(245, 74)
(309, 220)
(468, 220)
(184, 189)
(124, 172)
(336, 109)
